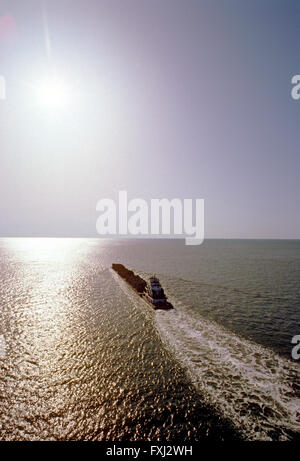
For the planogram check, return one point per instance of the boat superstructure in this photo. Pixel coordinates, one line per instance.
(154, 291)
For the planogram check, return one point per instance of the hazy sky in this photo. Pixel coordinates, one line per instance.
(167, 98)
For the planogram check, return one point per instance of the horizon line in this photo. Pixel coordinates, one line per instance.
(145, 238)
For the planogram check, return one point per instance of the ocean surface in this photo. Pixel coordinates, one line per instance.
(82, 357)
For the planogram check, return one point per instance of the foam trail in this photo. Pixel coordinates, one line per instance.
(254, 387)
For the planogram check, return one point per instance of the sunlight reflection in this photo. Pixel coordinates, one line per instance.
(45, 249)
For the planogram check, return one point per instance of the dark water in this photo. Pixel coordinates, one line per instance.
(82, 357)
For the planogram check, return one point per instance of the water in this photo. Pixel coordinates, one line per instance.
(83, 357)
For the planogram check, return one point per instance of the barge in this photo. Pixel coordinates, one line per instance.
(152, 292)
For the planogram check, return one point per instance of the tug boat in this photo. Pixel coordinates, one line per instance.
(155, 295)
(151, 292)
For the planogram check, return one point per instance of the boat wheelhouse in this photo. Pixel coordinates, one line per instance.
(155, 291)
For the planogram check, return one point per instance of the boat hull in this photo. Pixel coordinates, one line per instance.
(164, 305)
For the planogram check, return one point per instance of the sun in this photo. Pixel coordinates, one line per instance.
(52, 93)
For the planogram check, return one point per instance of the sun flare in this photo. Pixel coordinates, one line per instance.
(52, 93)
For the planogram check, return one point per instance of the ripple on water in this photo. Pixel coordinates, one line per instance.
(84, 361)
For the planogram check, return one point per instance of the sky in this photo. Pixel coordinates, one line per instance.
(164, 99)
